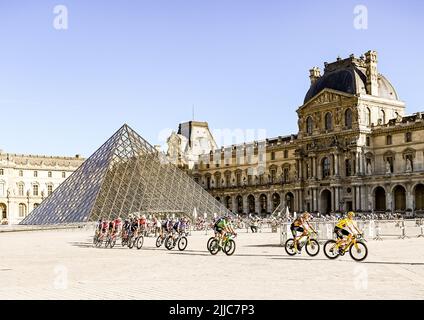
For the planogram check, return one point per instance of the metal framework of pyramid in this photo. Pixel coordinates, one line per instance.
(124, 176)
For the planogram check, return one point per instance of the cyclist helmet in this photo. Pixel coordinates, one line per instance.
(306, 215)
(351, 215)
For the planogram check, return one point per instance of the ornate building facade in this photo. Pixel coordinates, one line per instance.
(355, 150)
(26, 180)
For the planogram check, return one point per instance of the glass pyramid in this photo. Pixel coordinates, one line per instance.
(126, 175)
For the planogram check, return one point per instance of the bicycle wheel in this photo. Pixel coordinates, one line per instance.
(230, 247)
(95, 239)
(182, 243)
(214, 247)
(107, 242)
(112, 243)
(330, 250)
(359, 252)
(131, 243)
(312, 247)
(139, 242)
(159, 242)
(169, 243)
(289, 246)
(124, 242)
(209, 242)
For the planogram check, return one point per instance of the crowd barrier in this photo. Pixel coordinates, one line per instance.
(372, 229)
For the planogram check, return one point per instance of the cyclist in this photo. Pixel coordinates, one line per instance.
(345, 228)
(301, 225)
(180, 225)
(166, 227)
(222, 226)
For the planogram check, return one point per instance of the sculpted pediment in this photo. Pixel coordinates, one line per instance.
(326, 96)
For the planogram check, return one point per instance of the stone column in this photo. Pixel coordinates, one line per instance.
(245, 204)
(409, 198)
(336, 164)
(314, 167)
(357, 167)
(336, 199)
(389, 200)
(358, 197)
(269, 202)
(332, 199)
(257, 204)
(364, 198)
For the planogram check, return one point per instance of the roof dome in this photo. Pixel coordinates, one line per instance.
(350, 76)
(346, 80)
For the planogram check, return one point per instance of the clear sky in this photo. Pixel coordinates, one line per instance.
(242, 63)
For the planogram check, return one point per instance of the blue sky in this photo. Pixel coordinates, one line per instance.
(242, 63)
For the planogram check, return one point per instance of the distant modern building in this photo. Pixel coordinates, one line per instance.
(26, 180)
(355, 150)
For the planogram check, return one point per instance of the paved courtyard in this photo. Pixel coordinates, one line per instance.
(62, 264)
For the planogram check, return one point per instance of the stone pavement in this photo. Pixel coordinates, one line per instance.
(63, 264)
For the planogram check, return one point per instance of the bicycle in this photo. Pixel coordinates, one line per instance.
(311, 245)
(228, 245)
(99, 237)
(162, 239)
(356, 246)
(181, 240)
(110, 240)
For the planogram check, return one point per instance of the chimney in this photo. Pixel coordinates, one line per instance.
(372, 73)
(314, 74)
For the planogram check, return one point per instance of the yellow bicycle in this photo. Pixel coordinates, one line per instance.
(356, 246)
(311, 245)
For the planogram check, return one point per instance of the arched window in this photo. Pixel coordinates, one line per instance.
(325, 167)
(348, 118)
(22, 210)
(309, 125)
(328, 121)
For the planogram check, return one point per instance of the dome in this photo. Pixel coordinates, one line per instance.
(351, 76)
(386, 89)
(348, 80)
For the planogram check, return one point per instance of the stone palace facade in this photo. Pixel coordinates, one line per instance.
(26, 180)
(355, 150)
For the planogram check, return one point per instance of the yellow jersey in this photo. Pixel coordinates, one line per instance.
(344, 223)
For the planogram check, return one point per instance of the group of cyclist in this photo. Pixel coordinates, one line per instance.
(344, 229)
(134, 226)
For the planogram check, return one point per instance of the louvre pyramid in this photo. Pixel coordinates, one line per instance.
(124, 176)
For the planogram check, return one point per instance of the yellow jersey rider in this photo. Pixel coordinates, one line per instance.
(301, 224)
(345, 228)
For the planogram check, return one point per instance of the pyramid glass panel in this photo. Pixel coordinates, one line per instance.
(125, 176)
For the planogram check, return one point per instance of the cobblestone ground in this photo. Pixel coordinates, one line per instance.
(63, 264)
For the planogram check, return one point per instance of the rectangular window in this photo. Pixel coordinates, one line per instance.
(389, 140)
(272, 155)
(1, 172)
(49, 174)
(35, 174)
(368, 141)
(63, 175)
(21, 173)
(35, 190)
(408, 137)
(286, 154)
(49, 190)
(21, 190)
